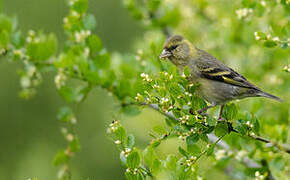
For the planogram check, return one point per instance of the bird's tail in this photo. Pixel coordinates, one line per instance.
(267, 95)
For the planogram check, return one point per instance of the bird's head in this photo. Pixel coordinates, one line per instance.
(177, 49)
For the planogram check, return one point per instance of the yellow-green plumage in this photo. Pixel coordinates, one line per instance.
(218, 83)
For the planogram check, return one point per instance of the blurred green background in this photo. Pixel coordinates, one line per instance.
(29, 131)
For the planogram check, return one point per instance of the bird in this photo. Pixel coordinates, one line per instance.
(218, 83)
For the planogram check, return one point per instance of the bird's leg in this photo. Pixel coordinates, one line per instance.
(203, 110)
(221, 113)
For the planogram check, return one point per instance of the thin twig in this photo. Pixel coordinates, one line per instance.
(212, 138)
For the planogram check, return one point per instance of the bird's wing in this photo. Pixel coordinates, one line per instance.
(213, 69)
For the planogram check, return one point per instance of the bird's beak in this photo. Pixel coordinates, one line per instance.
(165, 54)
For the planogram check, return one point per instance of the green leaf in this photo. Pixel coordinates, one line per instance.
(211, 121)
(230, 111)
(65, 60)
(153, 5)
(192, 139)
(130, 141)
(74, 145)
(4, 39)
(221, 129)
(65, 114)
(149, 156)
(193, 149)
(171, 17)
(80, 6)
(5, 23)
(170, 122)
(133, 160)
(89, 22)
(43, 49)
(270, 43)
(155, 143)
(123, 159)
(278, 163)
(120, 134)
(94, 43)
(210, 150)
(183, 152)
(72, 95)
(241, 127)
(159, 129)
(170, 162)
(131, 110)
(197, 103)
(60, 158)
(17, 39)
(261, 35)
(186, 71)
(203, 137)
(103, 60)
(256, 124)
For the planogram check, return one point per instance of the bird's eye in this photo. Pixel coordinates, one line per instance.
(172, 47)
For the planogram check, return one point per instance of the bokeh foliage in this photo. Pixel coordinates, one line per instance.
(249, 35)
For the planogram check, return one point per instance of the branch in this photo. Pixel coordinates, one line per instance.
(269, 143)
(212, 138)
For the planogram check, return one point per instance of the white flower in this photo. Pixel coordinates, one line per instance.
(64, 130)
(60, 79)
(241, 154)
(145, 77)
(117, 142)
(75, 14)
(69, 137)
(143, 63)
(287, 68)
(31, 33)
(244, 12)
(82, 35)
(164, 100)
(138, 97)
(248, 123)
(36, 40)
(28, 39)
(18, 52)
(25, 82)
(276, 38)
(257, 37)
(193, 158)
(220, 154)
(263, 3)
(258, 176)
(155, 86)
(65, 20)
(199, 178)
(73, 120)
(71, 2)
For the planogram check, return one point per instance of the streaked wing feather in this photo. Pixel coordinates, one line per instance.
(213, 69)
